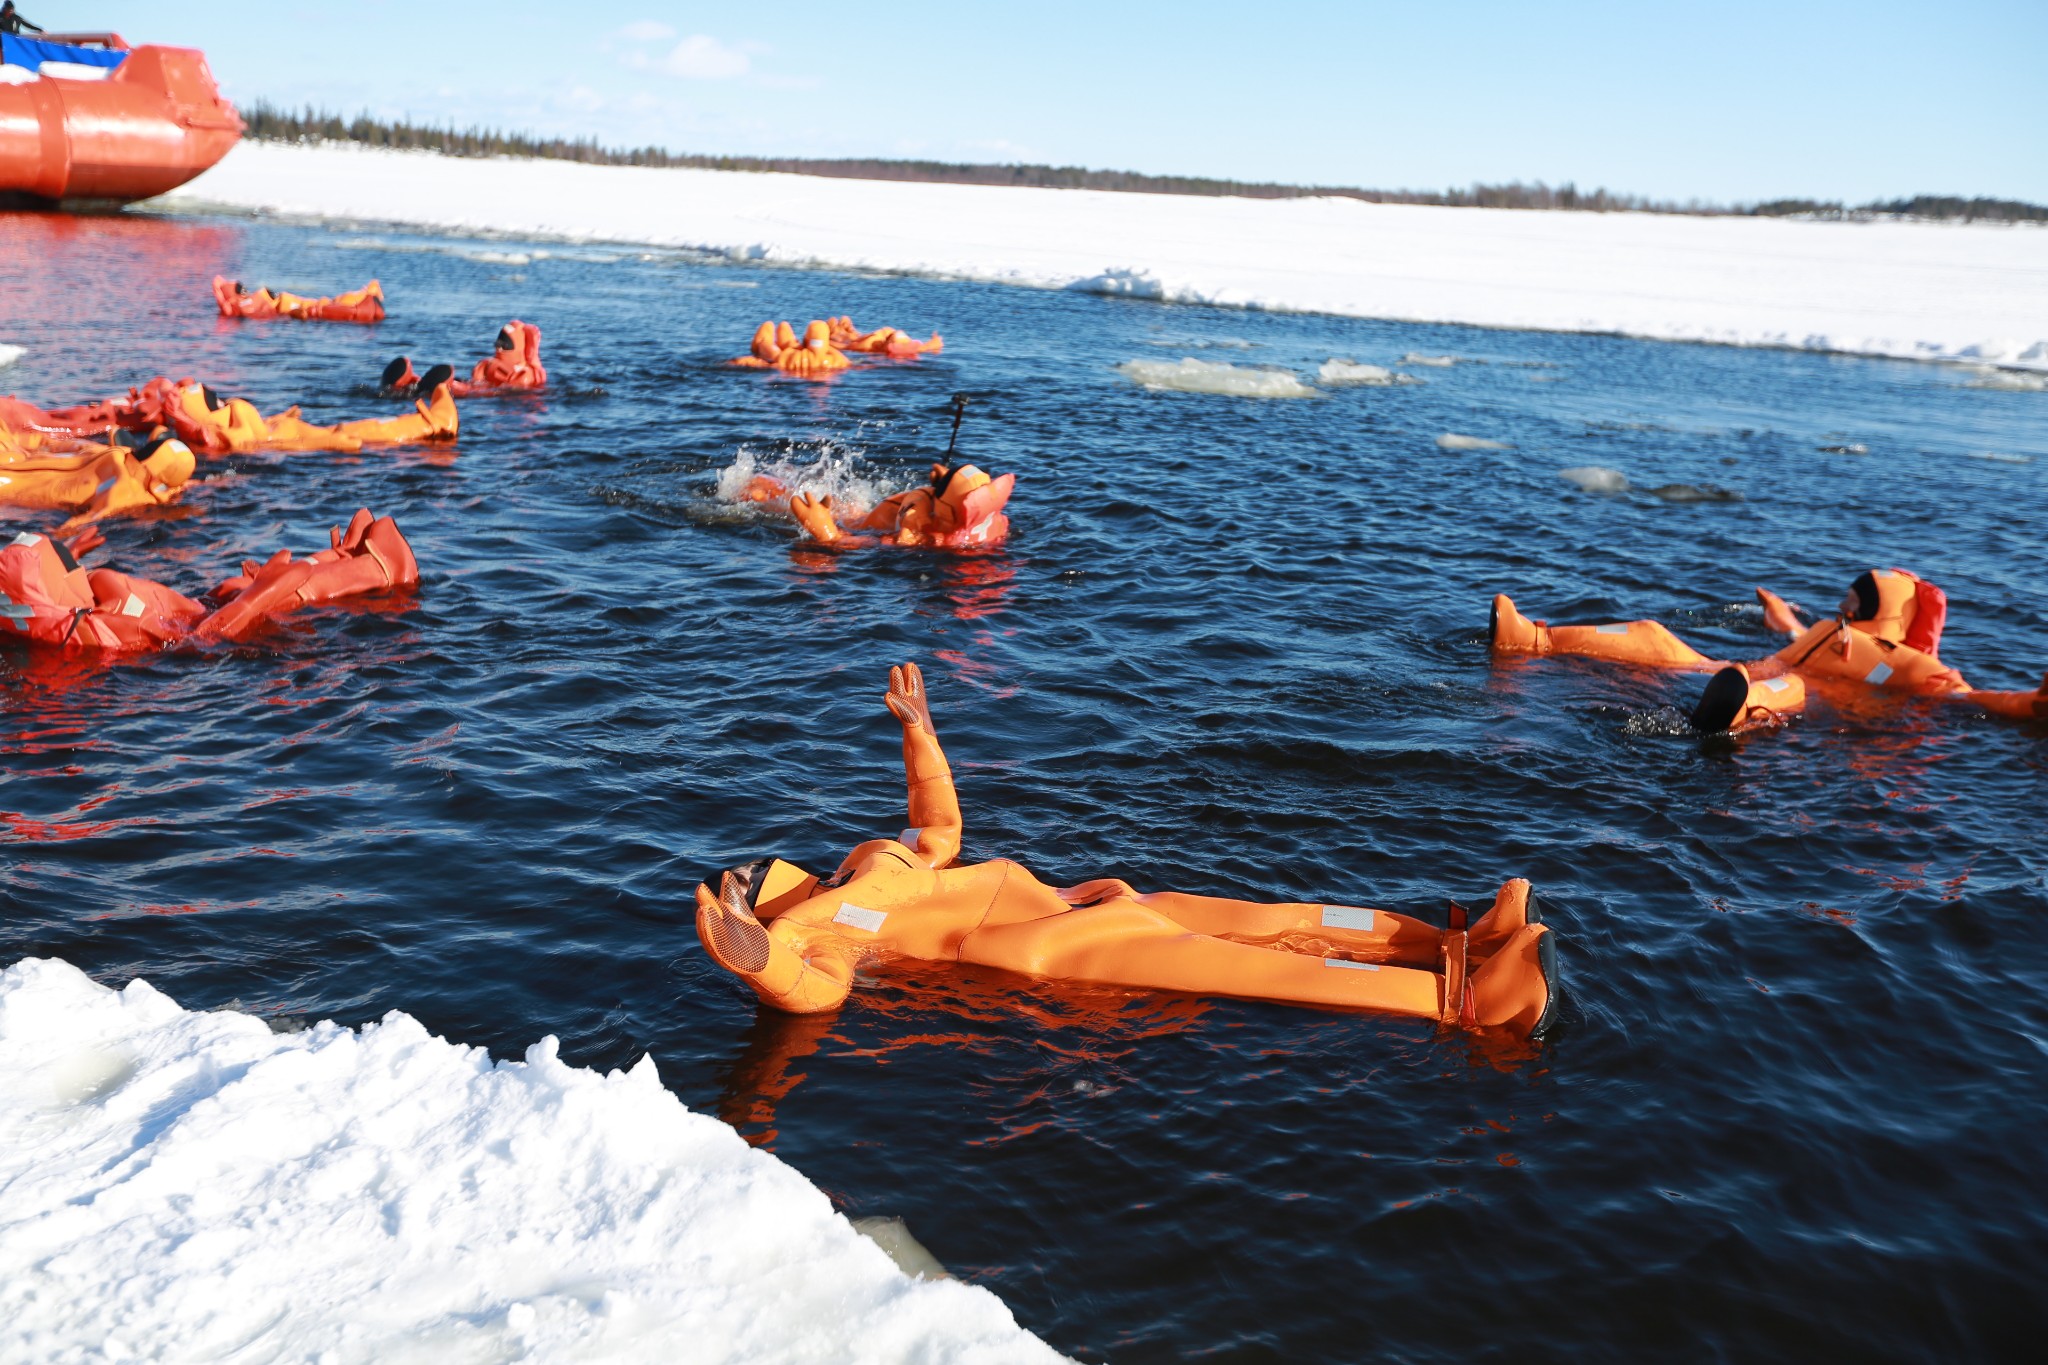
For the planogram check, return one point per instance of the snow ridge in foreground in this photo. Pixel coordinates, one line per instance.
(1916, 291)
(190, 1185)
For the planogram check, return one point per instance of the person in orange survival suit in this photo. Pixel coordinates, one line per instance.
(357, 305)
(433, 418)
(47, 598)
(961, 508)
(515, 364)
(102, 483)
(1886, 634)
(775, 346)
(796, 939)
(233, 426)
(888, 341)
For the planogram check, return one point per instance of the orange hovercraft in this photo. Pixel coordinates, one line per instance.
(797, 939)
(512, 367)
(84, 118)
(1885, 636)
(47, 599)
(262, 305)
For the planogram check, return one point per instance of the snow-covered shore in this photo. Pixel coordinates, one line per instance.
(185, 1185)
(1924, 291)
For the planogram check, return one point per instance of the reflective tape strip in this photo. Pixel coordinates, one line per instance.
(855, 917)
(1612, 630)
(26, 538)
(1354, 966)
(908, 838)
(134, 606)
(4, 480)
(1346, 917)
(1879, 674)
(17, 613)
(1777, 684)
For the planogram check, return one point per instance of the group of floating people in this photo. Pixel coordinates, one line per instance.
(141, 452)
(797, 938)
(827, 345)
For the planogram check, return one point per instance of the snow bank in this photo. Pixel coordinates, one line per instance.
(191, 1186)
(1207, 376)
(1914, 290)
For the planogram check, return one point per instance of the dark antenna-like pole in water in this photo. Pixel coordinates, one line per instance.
(959, 411)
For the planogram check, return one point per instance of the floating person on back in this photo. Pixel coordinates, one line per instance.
(104, 482)
(797, 939)
(888, 341)
(358, 305)
(776, 347)
(46, 598)
(513, 365)
(1886, 635)
(959, 508)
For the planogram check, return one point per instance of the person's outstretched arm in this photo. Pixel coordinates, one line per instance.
(934, 806)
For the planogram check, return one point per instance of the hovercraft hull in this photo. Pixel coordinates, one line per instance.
(152, 123)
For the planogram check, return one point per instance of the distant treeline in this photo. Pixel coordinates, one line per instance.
(271, 124)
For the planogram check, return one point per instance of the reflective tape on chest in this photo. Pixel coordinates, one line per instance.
(1354, 966)
(1777, 684)
(1611, 630)
(1346, 917)
(854, 917)
(1878, 675)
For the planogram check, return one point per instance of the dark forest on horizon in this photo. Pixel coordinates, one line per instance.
(267, 123)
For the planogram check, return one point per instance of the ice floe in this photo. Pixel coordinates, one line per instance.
(1596, 478)
(190, 1185)
(1336, 371)
(1451, 440)
(10, 354)
(1208, 376)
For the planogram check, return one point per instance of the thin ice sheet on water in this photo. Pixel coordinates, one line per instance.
(1207, 376)
(190, 1185)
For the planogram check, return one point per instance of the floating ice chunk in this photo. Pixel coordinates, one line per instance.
(1335, 371)
(2011, 381)
(1851, 448)
(1207, 376)
(1997, 458)
(10, 354)
(1596, 478)
(910, 1255)
(190, 1185)
(1451, 440)
(1438, 362)
(1688, 492)
(1127, 284)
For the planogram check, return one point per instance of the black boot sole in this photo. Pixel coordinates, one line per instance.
(1722, 701)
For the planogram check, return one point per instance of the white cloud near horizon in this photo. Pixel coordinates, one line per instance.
(646, 31)
(698, 57)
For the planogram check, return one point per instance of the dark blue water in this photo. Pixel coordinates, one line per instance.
(1234, 646)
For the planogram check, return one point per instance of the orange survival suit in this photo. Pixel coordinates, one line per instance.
(796, 940)
(358, 305)
(961, 508)
(776, 347)
(46, 598)
(1886, 636)
(888, 341)
(103, 482)
(514, 364)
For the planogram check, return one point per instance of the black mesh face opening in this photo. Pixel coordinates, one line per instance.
(943, 478)
(151, 447)
(214, 402)
(1865, 591)
(505, 338)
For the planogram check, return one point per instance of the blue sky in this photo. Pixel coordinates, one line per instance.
(1728, 101)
